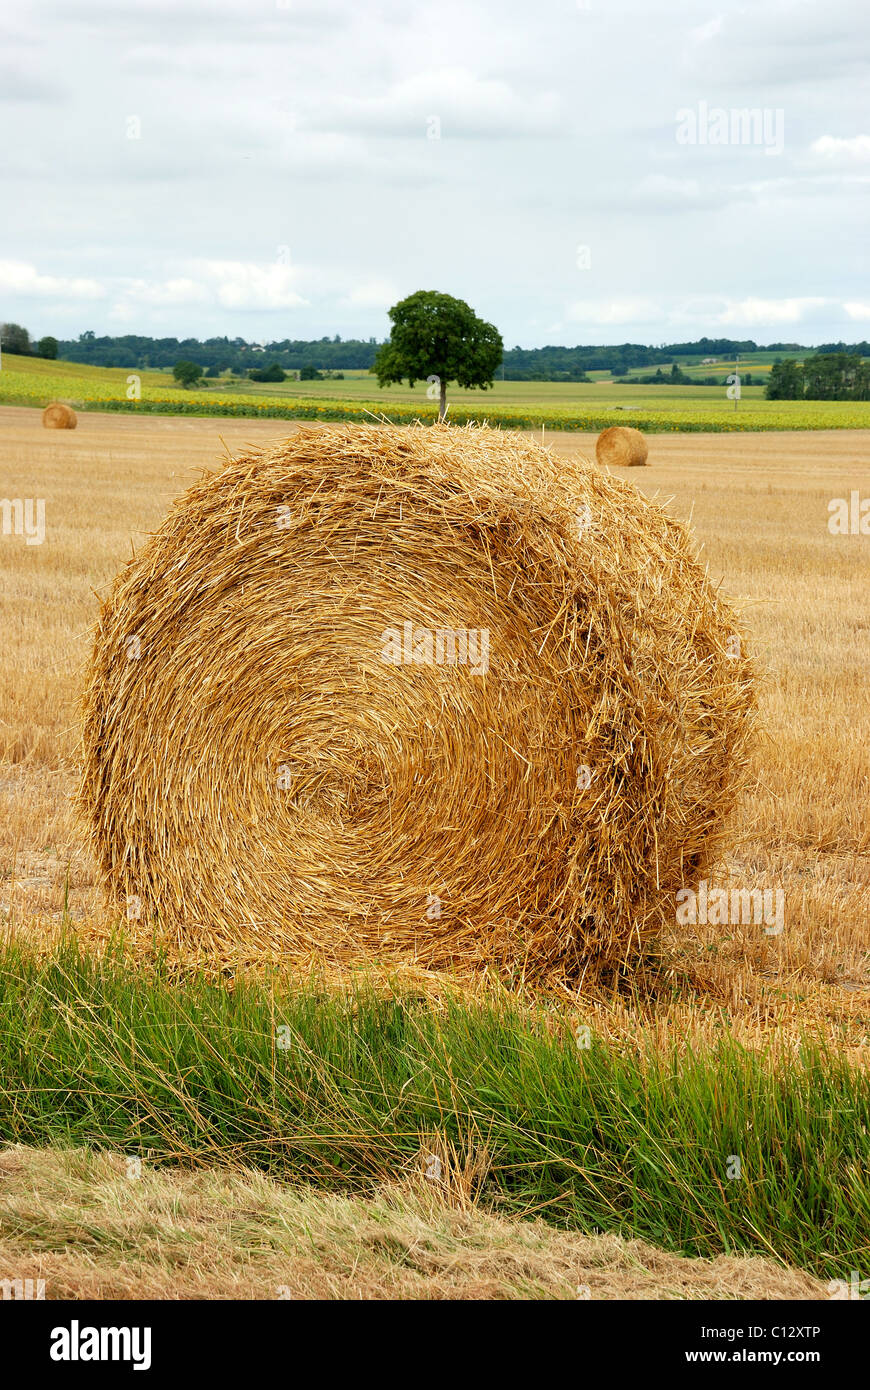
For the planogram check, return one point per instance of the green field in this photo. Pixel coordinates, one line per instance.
(757, 364)
(33, 381)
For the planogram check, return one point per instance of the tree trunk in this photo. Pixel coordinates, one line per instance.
(442, 408)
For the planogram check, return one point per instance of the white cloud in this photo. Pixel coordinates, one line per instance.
(613, 311)
(766, 311)
(19, 277)
(856, 310)
(705, 32)
(166, 293)
(852, 150)
(701, 313)
(229, 284)
(371, 294)
(659, 187)
(18, 85)
(308, 125)
(786, 43)
(246, 285)
(462, 104)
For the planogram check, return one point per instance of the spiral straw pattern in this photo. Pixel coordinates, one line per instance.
(423, 694)
(621, 446)
(59, 416)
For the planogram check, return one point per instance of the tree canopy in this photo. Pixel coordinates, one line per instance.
(186, 373)
(435, 336)
(836, 376)
(14, 338)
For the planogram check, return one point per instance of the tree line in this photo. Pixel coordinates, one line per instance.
(14, 338)
(833, 371)
(834, 376)
(551, 363)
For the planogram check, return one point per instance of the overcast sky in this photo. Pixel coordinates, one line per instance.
(271, 169)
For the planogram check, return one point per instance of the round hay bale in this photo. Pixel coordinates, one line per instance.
(413, 694)
(58, 416)
(621, 447)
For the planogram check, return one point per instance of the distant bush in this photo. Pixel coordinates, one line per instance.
(309, 373)
(272, 373)
(187, 373)
(15, 339)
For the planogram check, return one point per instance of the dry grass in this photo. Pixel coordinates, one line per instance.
(78, 1221)
(759, 504)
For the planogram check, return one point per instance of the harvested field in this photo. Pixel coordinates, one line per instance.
(240, 1235)
(758, 504)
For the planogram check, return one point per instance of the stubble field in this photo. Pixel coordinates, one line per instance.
(759, 507)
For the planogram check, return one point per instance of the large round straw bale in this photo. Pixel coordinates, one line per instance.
(621, 447)
(58, 416)
(413, 693)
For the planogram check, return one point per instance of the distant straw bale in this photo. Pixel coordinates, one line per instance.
(621, 447)
(412, 694)
(58, 416)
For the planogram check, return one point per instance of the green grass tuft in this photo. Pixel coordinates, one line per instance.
(636, 1142)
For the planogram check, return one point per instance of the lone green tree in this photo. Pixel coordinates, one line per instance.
(14, 338)
(187, 373)
(47, 347)
(438, 339)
